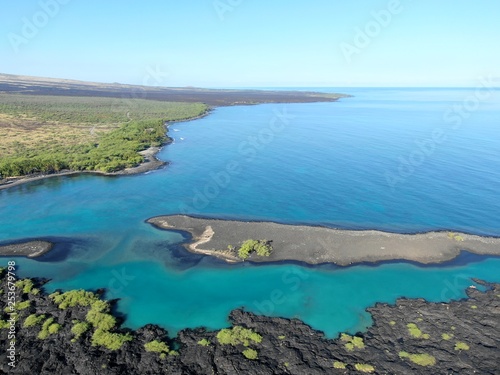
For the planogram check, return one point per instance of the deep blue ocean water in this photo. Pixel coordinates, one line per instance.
(401, 160)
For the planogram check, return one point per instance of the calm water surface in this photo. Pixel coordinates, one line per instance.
(401, 160)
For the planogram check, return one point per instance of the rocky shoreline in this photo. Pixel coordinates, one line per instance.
(317, 245)
(30, 249)
(411, 337)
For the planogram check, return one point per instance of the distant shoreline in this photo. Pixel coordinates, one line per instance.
(320, 245)
(150, 163)
(213, 98)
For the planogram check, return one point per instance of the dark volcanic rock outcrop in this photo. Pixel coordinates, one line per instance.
(410, 337)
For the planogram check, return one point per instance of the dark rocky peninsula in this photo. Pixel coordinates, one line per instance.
(76, 333)
(316, 245)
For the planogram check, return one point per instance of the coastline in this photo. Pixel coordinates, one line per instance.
(150, 162)
(319, 245)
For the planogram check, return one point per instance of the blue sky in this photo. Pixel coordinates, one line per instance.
(241, 43)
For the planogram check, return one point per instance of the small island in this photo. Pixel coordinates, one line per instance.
(30, 249)
(316, 245)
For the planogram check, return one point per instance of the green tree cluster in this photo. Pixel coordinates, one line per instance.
(139, 124)
(261, 247)
(74, 298)
(238, 335)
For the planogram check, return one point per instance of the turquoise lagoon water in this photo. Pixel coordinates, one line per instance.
(401, 160)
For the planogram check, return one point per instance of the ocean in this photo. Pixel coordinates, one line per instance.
(402, 160)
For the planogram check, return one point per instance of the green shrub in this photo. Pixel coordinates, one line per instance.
(73, 298)
(352, 342)
(363, 367)
(32, 320)
(238, 335)
(250, 353)
(423, 359)
(101, 320)
(54, 328)
(4, 324)
(98, 316)
(204, 342)
(461, 346)
(157, 347)
(447, 336)
(79, 328)
(262, 248)
(416, 332)
(339, 365)
(111, 341)
(48, 328)
(25, 284)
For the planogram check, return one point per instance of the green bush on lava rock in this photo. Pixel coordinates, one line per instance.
(74, 298)
(238, 335)
(48, 328)
(422, 359)
(79, 328)
(204, 342)
(415, 332)
(339, 365)
(363, 367)
(157, 347)
(109, 340)
(27, 286)
(32, 320)
(99, 317)
(250, 353)
(352, 342)
(461, 346)
(262, 248)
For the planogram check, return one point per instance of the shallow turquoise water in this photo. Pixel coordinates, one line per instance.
(322, 163)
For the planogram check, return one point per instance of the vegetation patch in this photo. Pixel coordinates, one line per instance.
(27, 286)
(250, 353)
(157, 347)
(339, 365)
(363, 367)
(416, 332)
(109, 340)
(47, 134)
(74, 298)
(238, 335)
(48, 328)
(461, 346)
(262, 248)
(33, 320)
(455, 237)
(79, 328)
(352, 342)
(204, 342)
(423, 359)
(447, 336)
